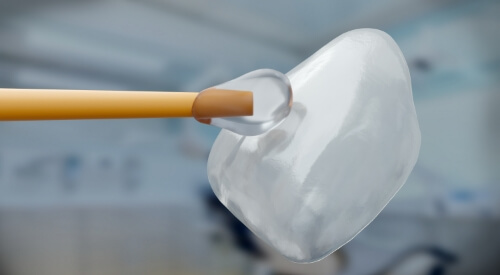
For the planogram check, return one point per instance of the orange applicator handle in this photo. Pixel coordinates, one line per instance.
(23, 104)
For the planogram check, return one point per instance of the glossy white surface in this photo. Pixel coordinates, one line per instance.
(352, 138)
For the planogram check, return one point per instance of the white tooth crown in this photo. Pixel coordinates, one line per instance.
(311, 184)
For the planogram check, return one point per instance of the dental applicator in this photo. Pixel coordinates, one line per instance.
(23, 104)
(251, 104)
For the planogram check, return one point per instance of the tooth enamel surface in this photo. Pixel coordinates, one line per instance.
(352, 138)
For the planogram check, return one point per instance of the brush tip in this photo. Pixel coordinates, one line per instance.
(212, 103)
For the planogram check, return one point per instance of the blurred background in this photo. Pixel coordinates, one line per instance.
(132, 197)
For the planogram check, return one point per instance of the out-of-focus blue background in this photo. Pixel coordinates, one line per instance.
(132, 197)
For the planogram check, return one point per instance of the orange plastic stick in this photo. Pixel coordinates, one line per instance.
(22, 104)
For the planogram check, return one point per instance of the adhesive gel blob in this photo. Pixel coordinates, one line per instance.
(272, 102)
(312, 183)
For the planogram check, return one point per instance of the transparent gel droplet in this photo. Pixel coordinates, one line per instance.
(272, 97)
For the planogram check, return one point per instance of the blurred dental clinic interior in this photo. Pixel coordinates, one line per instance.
(132, 196)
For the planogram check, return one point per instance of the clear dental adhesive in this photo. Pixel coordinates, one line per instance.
(272, 102)
(309, 185)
